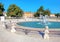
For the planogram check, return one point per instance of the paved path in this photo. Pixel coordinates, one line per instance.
(7, 36)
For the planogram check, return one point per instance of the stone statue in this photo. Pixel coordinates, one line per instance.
(46, 33)
(13, 28)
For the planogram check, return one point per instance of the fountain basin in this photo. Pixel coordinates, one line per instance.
(38, 24)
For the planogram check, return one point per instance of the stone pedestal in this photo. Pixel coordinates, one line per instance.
(2, 18)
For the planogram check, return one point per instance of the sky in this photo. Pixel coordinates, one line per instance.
(33, 5)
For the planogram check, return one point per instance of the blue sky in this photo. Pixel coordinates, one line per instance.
(33, 5)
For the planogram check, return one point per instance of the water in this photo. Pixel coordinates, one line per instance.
(37, 24)
(41, 24)
(44, 20)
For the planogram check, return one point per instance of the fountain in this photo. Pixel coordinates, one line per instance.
(44, 20)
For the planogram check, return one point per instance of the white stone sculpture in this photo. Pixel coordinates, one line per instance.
(13, 28)
(46, 33)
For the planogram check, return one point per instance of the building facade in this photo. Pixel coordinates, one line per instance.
(28, 15)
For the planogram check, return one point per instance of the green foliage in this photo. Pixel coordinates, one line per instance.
(1, 9)
(47, 12)
(14, 10)
(42, 12)
(57, 14)
(36, 14)
(41, 9)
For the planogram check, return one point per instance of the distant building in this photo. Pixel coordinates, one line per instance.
(28, 15)
(52, 15)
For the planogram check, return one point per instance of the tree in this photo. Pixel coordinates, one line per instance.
(14, 11)
(1, 9)
(39, 11)
(57, 14)
(42, 12)
(47, 12)
(36, 14)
